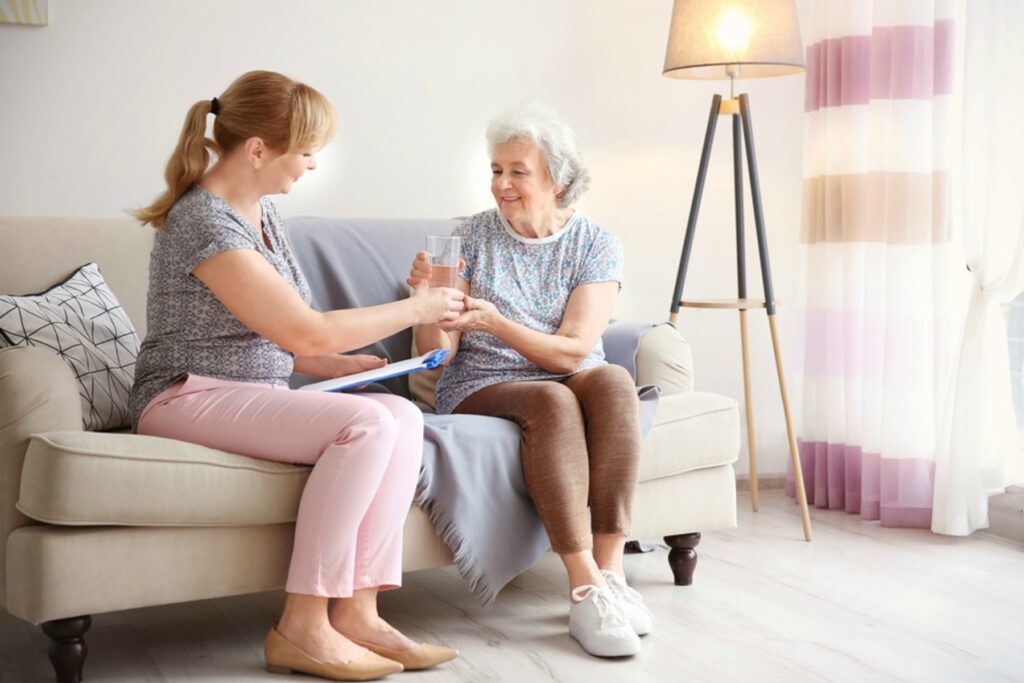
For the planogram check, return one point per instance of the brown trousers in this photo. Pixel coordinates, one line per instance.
(581, 444)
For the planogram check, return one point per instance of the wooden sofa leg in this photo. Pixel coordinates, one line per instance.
(67, 646)
(682, 557)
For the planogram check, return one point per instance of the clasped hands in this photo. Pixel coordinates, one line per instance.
(477, 315)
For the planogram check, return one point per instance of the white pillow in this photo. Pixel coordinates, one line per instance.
(81, 320)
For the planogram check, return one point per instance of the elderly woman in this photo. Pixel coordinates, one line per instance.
(541, 280)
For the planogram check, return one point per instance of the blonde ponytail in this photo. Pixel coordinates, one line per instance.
(287, 115)
(186, 166)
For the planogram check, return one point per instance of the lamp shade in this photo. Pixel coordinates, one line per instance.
(754, 38)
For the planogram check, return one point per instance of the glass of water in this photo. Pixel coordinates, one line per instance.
(444, 259)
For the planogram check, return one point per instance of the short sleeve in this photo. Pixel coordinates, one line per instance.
(210, 235)
(465, 231)
(603, 261)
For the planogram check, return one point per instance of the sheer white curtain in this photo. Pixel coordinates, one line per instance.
(977, 447)
(876, 224)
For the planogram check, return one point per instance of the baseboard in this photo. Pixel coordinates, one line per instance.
(765, 482)
(1006, 514)
(1005, 511)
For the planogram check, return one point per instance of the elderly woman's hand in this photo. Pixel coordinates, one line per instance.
(479, 316)
(420, 271)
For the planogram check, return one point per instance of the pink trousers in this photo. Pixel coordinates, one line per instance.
(365, 450)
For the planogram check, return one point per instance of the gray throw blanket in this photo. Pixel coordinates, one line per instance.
(471, 483)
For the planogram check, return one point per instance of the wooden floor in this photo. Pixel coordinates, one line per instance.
(859, 603)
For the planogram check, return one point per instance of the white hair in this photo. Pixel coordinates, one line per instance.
(557, 142)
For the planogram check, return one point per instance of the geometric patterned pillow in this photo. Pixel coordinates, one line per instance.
(81, 320)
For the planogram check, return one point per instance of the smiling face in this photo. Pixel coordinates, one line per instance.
(282, 172)
(522, 188)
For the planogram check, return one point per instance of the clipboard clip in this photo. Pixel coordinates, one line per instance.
(435, 358)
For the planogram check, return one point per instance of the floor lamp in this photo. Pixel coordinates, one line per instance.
(718, 39)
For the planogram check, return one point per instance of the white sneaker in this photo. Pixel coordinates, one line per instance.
(598, 623)
(631, 602)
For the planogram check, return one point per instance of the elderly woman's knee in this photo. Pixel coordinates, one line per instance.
(548, 397)
(618, 374)
(612, 379)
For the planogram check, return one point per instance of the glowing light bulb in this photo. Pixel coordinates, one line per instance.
(734, 29)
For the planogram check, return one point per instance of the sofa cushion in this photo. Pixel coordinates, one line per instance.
(101, 478)
(88, 478)
(691, 431)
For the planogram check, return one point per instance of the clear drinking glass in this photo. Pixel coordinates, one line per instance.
(444, 259)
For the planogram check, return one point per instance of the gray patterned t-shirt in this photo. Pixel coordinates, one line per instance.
(530, 282)
(189, 329)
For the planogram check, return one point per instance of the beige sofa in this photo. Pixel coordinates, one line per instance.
(92, 522)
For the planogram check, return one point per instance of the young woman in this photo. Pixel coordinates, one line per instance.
(229, 320)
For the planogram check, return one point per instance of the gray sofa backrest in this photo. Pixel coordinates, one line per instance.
(362, 262)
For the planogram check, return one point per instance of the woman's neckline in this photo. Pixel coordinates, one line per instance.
(261, 232)
(553, 237)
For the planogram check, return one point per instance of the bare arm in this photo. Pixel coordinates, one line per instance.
(586, 317)
(249, 287)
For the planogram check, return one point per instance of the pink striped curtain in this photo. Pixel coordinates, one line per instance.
(876, 226)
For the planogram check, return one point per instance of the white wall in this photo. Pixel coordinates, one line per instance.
(91, 106)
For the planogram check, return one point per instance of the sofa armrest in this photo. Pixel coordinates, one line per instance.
(38, 393)
(654, 353)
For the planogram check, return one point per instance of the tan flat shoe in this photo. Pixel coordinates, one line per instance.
(284, 657)
(423, 656)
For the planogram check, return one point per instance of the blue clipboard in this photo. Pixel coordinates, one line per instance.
(427, 361)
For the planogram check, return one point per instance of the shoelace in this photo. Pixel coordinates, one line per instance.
(619, 586)
(607, 611)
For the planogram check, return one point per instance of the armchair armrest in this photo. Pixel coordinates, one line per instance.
(38, 393)
(654, 353)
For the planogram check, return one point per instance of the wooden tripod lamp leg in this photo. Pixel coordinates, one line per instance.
(748, 400)
(769, 301)
(741, 292)
(798, 475)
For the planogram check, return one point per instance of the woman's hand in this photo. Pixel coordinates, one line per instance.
(335, 365)
(437, 304)
(349, 365)
(479, 316)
